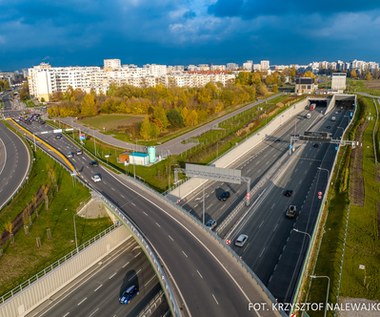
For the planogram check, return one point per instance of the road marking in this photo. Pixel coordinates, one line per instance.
(125, 265)
(68, 313)
(215, 299)
(275, 228)
(98, 287)
(170, 237)
(92, 314)
(200, 274)
(261, 253)
(82, 301)
(184, 254)
(158, 225)
(261, 224)
(150, 280)
(133, 204)
(112, 188)
(137, 254)
(196, 205)
(112, 275)
(274, 204)
(145, 213)
(122, 196)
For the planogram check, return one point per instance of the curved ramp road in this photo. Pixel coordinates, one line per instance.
(210, 281)
(14, 163)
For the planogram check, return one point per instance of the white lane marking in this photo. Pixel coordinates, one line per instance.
(122, 196)
(137, 254)
(200, 274)
(170, 237)
(92, 314)
(158, 225)
(125, 265)
(145, 213)
(261, 253)
(133, 204)
(67, 314)
(274, 204)
(98, 287)
(184, 254)
(215, 299)
(262, 222)
(112, 188)
(150, 280)
(275, 228)
(82, 301)
(112, 275)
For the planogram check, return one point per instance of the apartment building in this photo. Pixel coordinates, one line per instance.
(338, 82)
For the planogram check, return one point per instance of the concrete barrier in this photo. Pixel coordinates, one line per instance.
(227, 160)
(33, 295)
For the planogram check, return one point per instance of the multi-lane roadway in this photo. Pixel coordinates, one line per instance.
(207, 279)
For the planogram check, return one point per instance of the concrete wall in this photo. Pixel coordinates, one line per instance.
(32, 296)
(228, 159)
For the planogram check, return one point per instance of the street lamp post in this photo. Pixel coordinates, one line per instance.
(303, 232)
(325, 169)
(75, 233)
(328, 289)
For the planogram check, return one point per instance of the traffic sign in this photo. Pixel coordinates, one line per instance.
(248, 196)
(320, 193)
(319, 197)
(228, 241)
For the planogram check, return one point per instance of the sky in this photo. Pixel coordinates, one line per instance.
(183, 32)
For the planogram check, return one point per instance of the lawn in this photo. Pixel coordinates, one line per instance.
(53, 227)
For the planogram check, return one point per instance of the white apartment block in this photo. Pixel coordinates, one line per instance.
(338, 82)
(111, 64)
(264, 65)
(248, 65)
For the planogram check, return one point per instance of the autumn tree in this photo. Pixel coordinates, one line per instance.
(88, 106)
(353, 74)
(145, 128)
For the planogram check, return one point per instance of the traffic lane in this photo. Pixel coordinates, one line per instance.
(103, 286)
(192, 288)
(16, 164)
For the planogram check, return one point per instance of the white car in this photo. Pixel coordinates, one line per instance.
(241, 240)
(96, 178)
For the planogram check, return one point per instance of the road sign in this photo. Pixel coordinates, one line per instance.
(320, 193)
(228, 241)
(248, 196)
(319, 197)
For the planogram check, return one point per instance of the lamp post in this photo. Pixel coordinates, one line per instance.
(75, 232)
(328, 289)
(325, 169)
(303, 232)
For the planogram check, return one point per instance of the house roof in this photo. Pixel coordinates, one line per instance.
(304, 81)
(139, 154)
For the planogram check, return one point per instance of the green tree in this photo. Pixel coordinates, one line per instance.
(175, 118)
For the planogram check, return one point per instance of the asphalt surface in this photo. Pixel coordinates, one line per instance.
(97, 292)
(14, 160)
(205, 274)
(273, 251)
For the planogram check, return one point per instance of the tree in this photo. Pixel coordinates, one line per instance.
(88, 106)
(353, 74)
(175, 118)
(145, 128)
(309, 74)
(368, 76)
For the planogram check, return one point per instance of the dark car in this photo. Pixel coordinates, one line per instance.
(211, 223)
(128, 294)
(291, 212)
(224, 196)
(58, 136)
(316, 145)
(93, 163)
(288, 193)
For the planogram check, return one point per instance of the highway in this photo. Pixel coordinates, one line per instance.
(273, 250)
(96, 293)
(14, 160)
(203, 272)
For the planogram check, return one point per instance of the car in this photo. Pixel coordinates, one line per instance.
(224, 196)
(211, 224)
(96, 178)
(328, 127)
(79, 152)
(93, 163)
(291, 212)
(58, 136)
(241, 240)
(128, 294)
(288, 193)
(70, 154)
(316, 145)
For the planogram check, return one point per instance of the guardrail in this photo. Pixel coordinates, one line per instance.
(56, 264)
(212, 234)
(157, 300)
(316, 227)
(148, 250)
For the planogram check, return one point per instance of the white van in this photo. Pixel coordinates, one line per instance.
(308, 115)
(333, 119)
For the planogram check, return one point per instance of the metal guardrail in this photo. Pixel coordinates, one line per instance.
(56, 264)
(148, 250)
(147, 311)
